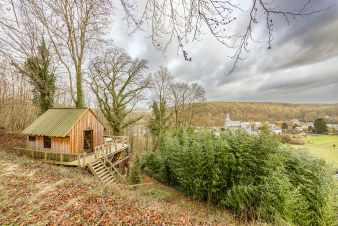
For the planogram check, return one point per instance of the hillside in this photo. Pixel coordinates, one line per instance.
(212, 113)
(35, 193)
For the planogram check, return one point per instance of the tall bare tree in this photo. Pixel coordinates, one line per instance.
(16, 109)
(118, 83)
(161, 82)
(74, 28)
(159, 123)
(22, 43)
(196, 95)
(184, 96)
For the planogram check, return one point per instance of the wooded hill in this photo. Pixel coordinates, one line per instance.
(213, 113)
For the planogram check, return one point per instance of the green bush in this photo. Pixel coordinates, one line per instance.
(135, 176)
(254, 176)
(287, 139)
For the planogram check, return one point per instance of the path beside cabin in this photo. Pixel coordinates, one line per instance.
(36, 193)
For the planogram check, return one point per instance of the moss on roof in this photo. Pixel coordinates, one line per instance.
(56, 122)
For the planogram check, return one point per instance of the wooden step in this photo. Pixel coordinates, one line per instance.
(105, 176)
(98, 165)
(99, 168)
(109, 180)
(98, 162)
(101, 171)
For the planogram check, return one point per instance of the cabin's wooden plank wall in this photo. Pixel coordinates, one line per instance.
(60, 144)
(87, 122)
(73, 142)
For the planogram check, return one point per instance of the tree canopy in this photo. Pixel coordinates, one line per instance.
(320, 126)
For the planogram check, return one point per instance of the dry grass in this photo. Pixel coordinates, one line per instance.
(42, 194)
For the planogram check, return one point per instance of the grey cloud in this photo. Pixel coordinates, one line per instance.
(302, 66)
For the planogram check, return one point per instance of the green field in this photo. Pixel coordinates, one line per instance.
(322, 146)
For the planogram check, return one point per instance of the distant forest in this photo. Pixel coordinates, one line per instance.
(213, 113)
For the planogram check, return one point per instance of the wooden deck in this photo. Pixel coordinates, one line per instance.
(117, 147)
(102, 151)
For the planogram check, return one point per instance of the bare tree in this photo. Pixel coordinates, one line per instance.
(118, 83)
(20, 34)
(23, 44)
(184, 96)
(196, 95)
(161, 82)
(186, 20)
(159, 123)
(178, 95)
(16, 109)
(74, 28)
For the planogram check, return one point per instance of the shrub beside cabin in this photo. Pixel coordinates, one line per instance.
(65, 130)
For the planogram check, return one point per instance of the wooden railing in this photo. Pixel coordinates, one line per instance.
(104, 149)
(49, 155)
(119, 140)
(116, 145)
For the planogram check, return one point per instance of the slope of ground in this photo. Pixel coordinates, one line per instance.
(42, 194)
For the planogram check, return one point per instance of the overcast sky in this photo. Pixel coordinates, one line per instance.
(301, 67)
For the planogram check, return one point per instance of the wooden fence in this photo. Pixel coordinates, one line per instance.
(49, 155)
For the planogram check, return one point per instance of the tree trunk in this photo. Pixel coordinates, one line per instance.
(79, 93)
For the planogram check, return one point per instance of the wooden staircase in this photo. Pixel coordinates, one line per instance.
(108, 160)
(101, 171)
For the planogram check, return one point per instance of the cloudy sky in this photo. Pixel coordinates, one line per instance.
(301, 67)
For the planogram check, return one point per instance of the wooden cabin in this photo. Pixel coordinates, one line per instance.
(66, 130)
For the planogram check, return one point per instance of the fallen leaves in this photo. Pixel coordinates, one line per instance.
(38, 193)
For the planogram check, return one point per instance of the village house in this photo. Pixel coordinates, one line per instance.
(275, 129)
(249, 127)
(233, 125)
(332, 126)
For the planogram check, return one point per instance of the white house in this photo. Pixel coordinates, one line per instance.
(230, 124)
(275, 129)
(332, 126)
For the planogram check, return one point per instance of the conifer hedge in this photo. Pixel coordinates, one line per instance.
(255, 176)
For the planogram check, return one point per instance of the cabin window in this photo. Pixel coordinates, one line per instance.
(31, 138)
(47, 142)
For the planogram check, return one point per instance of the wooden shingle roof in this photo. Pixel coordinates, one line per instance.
(56, 122)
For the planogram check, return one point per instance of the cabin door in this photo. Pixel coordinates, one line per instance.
(88, 141)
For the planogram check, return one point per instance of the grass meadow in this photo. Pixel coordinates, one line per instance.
(326, 148)
(322, 146)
